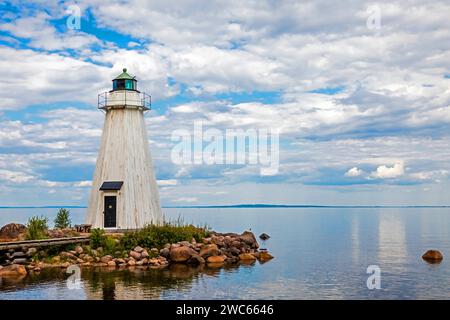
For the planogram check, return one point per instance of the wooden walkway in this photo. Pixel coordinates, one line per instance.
(42, 243)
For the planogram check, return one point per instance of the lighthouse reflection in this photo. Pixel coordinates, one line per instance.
(144, 282)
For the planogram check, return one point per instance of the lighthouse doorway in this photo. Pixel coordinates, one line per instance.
(110, 212)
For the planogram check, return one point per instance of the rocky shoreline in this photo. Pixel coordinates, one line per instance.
(215, 250)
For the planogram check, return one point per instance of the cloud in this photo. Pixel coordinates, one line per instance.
(81, 184)
(385, 172)
(354, 172)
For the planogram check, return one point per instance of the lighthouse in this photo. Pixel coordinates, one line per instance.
(124, 192)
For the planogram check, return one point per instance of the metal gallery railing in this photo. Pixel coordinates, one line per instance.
(144, 100)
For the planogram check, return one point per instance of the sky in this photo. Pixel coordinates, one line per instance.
(358, 91)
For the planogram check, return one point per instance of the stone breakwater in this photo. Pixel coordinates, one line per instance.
(216, 250)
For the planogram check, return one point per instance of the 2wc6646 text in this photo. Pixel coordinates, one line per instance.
(226, 309)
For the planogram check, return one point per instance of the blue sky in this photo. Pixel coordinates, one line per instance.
(363, 112)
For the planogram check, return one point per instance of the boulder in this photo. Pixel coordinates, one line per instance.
(106, 259)
(131, 262)
(135, 255)
(249, 239)
(68, 255)
(264, 256)
(79, 250)
(12, 230)
(432, 256)
(140, 263)
(13, 270)
(144, 254)
(209, 250)
(246, 256)
(196, 259)
(181, 254)
(111, 263)
(165, 252)
(31, 252)
(215, 259)
(264, 236)
(138, 249)
(120, 261)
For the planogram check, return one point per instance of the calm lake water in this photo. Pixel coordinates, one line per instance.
(320, 253)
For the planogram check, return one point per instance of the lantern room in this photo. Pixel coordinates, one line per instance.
(124, 81)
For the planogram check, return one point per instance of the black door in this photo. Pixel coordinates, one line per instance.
(110, 212)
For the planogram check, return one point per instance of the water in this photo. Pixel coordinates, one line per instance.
(320, 253)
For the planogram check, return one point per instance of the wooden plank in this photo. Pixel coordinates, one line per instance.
(43, 242)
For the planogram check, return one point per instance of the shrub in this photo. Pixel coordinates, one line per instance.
(98, 238)
(36, 227)
(62, 220)
(157, 236)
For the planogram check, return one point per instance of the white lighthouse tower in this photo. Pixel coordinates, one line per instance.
(124, 193)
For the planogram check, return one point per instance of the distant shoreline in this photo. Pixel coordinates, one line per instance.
(248, 206)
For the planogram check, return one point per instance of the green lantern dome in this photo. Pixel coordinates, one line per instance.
(124, 81)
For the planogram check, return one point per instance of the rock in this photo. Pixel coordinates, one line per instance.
(234, 251)
(140, 263)
(131, 262)
(135, 255)
(209, 250)
(12, 230)
(94, 253)
(68, 255)
(138, 249)
(144, 254)
(196, 259)
(232, 260)
(206, 240)
(153, 261)
(80, 260)
(37, 269)
(78, 250)
(111, 263)
(14, 270)
(18, 254)
(88, 258)
(215, 259)
(120, 261)
(31, 252)
(181, 254)
(193, 241)
(106, 259)
(154, 250)
(236, 244)
(165, 252)
(65, 265)
(100, 264)
(246, 256)
(432, 256)
(20, 261)
(264, 256)
(249, 239)
(264, 236)
(144, 261)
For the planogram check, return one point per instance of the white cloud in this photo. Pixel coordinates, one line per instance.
(186, 199)
(354, 172)
(168, 182)
(385, 172)
(81, 184)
